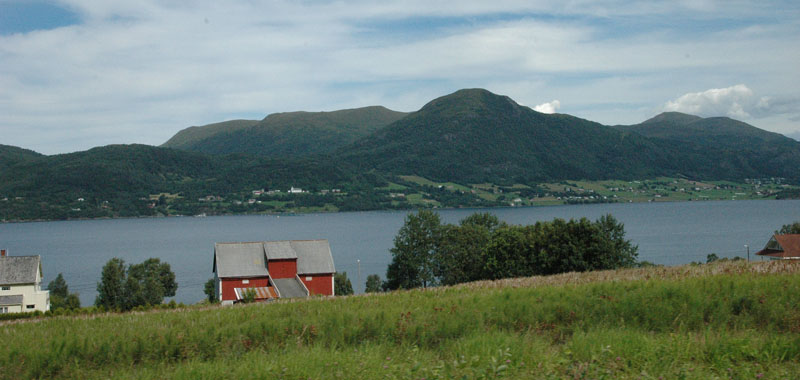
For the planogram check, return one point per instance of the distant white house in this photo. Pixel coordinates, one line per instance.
(20, 290)
(295, 190)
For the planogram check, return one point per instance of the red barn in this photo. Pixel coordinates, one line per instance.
(273, 269)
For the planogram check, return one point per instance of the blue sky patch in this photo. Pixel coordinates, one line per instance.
(27, 16)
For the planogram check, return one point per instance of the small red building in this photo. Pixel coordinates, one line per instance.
(782, 247)
(273, 269)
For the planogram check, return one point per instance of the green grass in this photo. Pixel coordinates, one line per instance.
(726, 320)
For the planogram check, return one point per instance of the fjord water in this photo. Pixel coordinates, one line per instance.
(667, 233)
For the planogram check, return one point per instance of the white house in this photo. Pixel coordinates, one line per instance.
(20, 291)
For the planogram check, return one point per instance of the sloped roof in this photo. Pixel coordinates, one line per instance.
(313, 256)
(783, 246)
(19, 269)
(248, 259)
(10, 300)
(278, 250)
(290, 287)
(261, 293)
(240, 260)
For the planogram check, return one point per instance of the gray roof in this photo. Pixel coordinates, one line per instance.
(290, 287)
(19, 269)
(313, 256)
(277, 250)
(239, 260)
(10, 300)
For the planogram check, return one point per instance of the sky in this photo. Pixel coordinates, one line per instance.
(75, 74)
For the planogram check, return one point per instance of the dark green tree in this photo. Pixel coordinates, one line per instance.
(342, 285)
(159, 272)
(58, 287)
(413, 262)
(373, 284)
(622, 253)
(141, 284)
(460, 253)
(111, 288)
(509, 254)
(793, 228)
(210, 290)
(483, 219)
(60, 297)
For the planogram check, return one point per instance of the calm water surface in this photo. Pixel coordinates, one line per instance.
(667, 233)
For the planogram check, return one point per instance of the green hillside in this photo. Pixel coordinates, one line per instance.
(187, 138)
(474, 136)
(650, 323)
(126, 176)
(291, 134)
(733, 147)
(11, 155)
(719, 131)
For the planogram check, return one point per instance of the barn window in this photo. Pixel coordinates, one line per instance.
(30, 306)
(308, 278)
(245, 281)
(6, 288)
(3, 309)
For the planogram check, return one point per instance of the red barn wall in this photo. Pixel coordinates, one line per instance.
(318, 284)
(228, 284)
(282, 268)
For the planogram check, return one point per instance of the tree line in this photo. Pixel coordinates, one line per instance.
(427, 252)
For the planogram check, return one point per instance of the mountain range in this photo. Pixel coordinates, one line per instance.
(470, 136)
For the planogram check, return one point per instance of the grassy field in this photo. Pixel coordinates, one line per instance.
(730, 320)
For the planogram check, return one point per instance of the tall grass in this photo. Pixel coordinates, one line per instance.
(691, 322)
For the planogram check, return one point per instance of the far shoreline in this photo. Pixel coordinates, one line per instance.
(298, 213)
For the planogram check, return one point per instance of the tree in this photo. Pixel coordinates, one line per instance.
(622, 253)
(461, 251)
(342, 285)
(793, 228)
(141, 284)
(413, 254)
(60, 297)
(111, 288)
(159, 272)
(210, 289)
(373, 284)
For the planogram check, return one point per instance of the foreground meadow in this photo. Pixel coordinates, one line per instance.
(729, 320)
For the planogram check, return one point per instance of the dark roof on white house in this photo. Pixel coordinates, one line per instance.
(19, 269)
(240, 260)
(313, 256)
(10, 300)
(290, 287)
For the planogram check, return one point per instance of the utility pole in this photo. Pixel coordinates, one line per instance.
(748, 252)
(358, 261)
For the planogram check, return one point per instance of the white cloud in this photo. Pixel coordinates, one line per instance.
(549, 107)
(739, 102)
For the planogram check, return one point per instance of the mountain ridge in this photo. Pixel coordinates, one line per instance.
(285, 134)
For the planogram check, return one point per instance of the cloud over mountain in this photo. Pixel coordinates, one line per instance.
(549, 107)
(737, 101)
